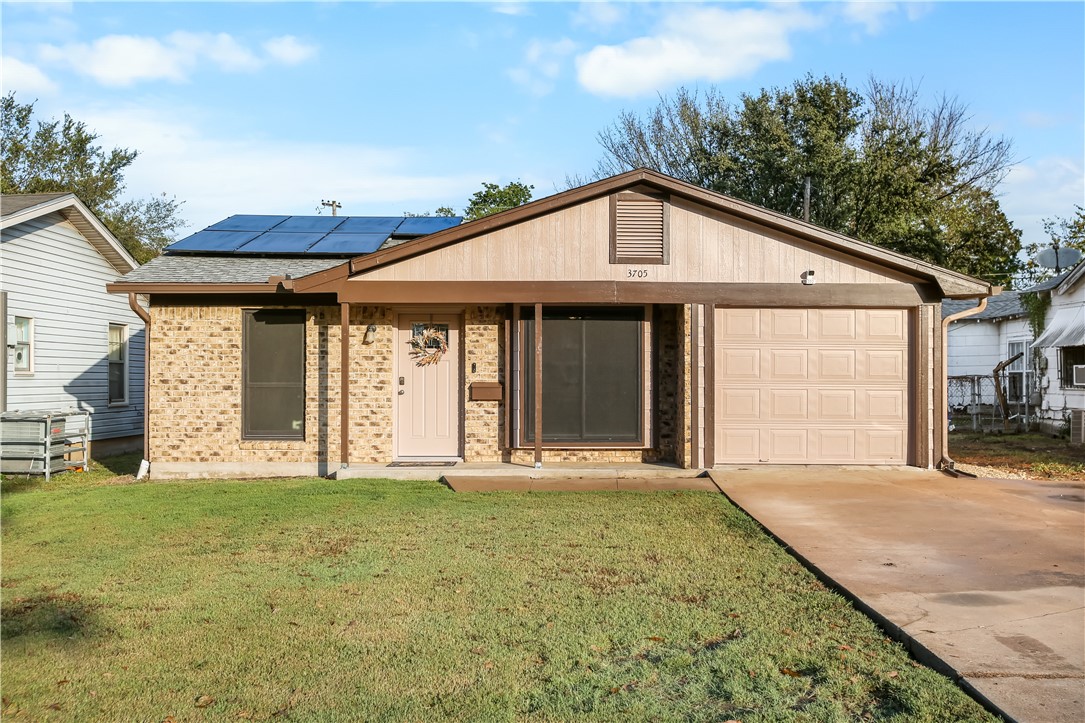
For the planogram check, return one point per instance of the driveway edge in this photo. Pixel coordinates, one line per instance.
(916, 649)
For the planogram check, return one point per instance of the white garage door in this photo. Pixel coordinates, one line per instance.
(812, 386)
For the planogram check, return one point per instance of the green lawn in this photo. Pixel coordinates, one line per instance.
(380, 600)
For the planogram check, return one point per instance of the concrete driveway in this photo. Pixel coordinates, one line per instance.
(986, 575)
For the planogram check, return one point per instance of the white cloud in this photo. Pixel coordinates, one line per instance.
(122, 60)
(1040, 189)
(510, 7)
(542, 65)
(221, 176)
(693, 44)
(24, 78)
(871, 15)
(288, 50)
(598, 16)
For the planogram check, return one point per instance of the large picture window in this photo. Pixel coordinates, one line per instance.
(273, 374)
(592, 375)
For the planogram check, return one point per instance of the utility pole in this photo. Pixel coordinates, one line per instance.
(333, 205)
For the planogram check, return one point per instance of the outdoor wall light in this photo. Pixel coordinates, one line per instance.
(370, 334)
(808, 278)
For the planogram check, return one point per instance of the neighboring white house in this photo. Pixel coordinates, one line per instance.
(1062, 342)
(978, 343)
(68, 343)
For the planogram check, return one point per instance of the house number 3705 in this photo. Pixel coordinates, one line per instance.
(637, 273)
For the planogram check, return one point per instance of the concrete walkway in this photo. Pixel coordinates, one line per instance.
(984, 579)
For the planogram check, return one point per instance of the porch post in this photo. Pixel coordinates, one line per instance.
(710, 386)
(538, 385)
(344, 383)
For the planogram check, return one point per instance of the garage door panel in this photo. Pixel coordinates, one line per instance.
(810, 386)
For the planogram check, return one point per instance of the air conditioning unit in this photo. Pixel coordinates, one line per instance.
(1077, 426)
(1079, 375)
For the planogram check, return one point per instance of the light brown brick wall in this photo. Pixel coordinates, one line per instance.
(484, 360)
(194, 407)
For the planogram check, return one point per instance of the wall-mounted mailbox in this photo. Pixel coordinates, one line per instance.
(485, 391)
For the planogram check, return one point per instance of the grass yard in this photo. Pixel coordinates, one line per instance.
(1030, 455)
(387, 601)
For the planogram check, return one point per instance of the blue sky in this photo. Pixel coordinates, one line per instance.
(394, 107)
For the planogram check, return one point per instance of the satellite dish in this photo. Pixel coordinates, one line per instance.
(1058, 258)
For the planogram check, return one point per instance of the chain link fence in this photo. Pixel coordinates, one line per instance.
(974, 404)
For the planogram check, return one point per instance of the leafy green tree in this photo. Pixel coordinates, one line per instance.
(1063, 233)
(881, 167)
(494, 199)
(62, 156)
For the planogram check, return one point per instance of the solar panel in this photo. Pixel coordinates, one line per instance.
(274, 242)
(370, 224)
(213, 241)
(244, 222)
(423, 225)
(311, 223)
(349, 243)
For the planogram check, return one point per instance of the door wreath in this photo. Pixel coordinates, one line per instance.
(428, 346)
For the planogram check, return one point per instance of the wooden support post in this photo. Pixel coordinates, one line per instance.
(538, 385)
(710, 386)
(344, 385)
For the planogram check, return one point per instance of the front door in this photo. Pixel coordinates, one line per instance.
(427, 385)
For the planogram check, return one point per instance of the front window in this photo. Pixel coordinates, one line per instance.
(118, 364)
(1069, 357)
(592, 375)
(24, 345)
(273, 374)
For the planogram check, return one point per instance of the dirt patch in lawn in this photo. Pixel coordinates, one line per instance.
(1027, 456)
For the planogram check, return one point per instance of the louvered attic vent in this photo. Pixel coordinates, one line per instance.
(639, 229)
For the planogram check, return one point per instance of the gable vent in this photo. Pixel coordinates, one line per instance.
(639, 232)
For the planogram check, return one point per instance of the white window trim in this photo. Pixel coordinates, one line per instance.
(29, 346)
(127, 365)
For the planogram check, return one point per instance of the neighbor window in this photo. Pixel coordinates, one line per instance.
(24, 345)
(1019, 373)
(273, 374)
(118, 364)
(1069, 357)
(592, 372)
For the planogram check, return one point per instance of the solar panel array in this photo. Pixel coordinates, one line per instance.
(308, 235)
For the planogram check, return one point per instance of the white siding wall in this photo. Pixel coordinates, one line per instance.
(55, 276)
(1057, 401)
(973, 347)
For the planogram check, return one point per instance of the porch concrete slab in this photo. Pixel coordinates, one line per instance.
(520, 483)
(984, 579)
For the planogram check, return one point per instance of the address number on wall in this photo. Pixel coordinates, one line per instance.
(637, 273)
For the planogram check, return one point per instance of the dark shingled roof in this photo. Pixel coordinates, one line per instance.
(1006, 305)
(1052, 282)
(15, 202)
(225, 269)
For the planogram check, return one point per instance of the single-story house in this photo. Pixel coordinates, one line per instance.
(677, 325)
(980, 342)
(67, 342)
(1062, 346)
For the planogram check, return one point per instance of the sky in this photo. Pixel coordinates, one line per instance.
(405, 107)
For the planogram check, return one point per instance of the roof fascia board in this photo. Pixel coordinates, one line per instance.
(122, 287)
(1075, 277)
(954, 285)
(85, 221)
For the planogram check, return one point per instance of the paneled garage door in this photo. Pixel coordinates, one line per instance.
(812, 386)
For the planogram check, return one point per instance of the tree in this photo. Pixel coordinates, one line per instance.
(62, 156)
(1064, 233)
(881, 167)
(494, 199)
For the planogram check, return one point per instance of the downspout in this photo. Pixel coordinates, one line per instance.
(947, 462)
(146, 317)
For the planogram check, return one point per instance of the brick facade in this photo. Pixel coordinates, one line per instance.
(194, 407)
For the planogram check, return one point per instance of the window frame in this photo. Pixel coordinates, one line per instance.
(29, 344)
(645, 392)
(1066, 371)
(302, 320)
(125, 362)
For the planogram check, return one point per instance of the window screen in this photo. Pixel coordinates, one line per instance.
(592, 375)
(274, 374)
(118, 364)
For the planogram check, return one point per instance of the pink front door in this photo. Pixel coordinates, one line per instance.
(428, 389)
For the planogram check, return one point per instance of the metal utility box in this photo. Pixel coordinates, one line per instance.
(44, 442)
